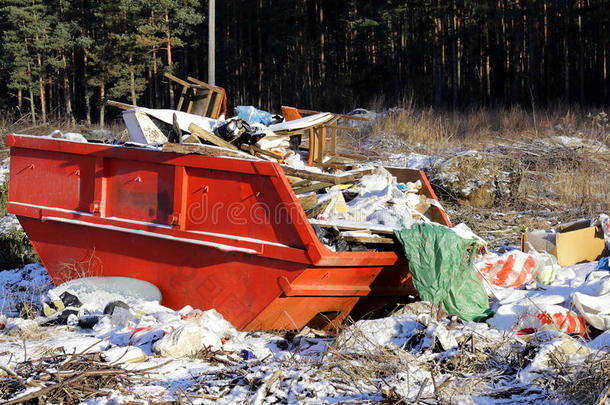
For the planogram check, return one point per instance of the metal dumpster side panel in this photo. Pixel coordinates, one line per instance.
(238, 285)
(92, 209)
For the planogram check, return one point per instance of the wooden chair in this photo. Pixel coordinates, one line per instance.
(200, 98)
(317, 134)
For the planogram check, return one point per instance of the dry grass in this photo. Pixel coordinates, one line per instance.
(534, 165)
(12, 122)
(91, 266)
(424, 131)
(583, 383)
(66, 378)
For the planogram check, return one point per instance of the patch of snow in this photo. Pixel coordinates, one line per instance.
(409, 160)
(9, 223)
(4, 170)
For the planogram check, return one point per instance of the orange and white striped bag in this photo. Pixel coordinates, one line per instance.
(552, 317)
(512, 269)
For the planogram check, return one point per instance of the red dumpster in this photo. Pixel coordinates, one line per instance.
(210, 232)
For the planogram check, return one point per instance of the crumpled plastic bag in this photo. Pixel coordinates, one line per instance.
(595, 308)
(441, 264)
(604, 221)
(550, 317)
(511, 269)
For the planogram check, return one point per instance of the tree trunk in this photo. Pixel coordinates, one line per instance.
(67, 92)
(132, 81)
(103, 104)
(437, 62)
(566, 70)
(581, 57)
(454, 60)
(322, 61)
(169, 59)
(86, 88)
(606, 56)
(43, 103)
(32, 106)
(51, 100)
(259, 40)
(518, 29)
(533, 55)
(157, 102)
(20, 100)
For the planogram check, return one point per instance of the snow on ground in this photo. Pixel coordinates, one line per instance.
(4, 170)
(403, 356)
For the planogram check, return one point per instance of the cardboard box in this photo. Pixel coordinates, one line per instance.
(573, 243)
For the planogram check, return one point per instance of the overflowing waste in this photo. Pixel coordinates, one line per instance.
(548, 302)
(357, 203)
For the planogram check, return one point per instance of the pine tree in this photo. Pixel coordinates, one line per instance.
(20, 50)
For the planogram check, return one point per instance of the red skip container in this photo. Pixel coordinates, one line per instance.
(210, 232)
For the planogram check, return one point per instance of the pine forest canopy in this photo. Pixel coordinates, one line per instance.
(62, 58)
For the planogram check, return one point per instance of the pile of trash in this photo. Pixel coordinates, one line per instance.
(353, 204)
(124, 313)
(146, 350)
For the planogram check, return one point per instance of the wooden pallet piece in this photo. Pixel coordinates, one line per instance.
(210, 137)
(312, 187)
(368, 240)
(206, 150)
(346, 177)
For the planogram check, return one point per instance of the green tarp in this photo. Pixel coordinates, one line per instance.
(441, 264)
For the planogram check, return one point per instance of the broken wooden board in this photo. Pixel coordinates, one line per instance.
(308, 201)
(345, 177)
(344, 116)
(311, 187)
(192, 139)
(369, 239)
(255, 149)
(120, 105)
(353, 226)
(206, 150)
(298, 183)
(210, 137)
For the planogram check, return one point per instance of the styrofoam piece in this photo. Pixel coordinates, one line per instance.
(121, 285)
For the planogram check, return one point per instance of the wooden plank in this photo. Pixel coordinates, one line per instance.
(320, 134)
(253, 148)
(369, 239)
(206, 103)
(210, 137)
(336, 162)
(312, 187)
(206, 150)
(353, 156)
(384, 230)
(308, 201)
(193, 139)
(199, 82)
(345, 177)
(220, 96)
(301, 183)
(337, 127)
(177, 80)
(182, 97)
(120, 105)
(348, 117)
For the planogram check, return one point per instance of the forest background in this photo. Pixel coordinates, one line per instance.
(63, 59)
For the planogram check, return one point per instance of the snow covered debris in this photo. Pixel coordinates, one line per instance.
(184, 341)
(197, 355)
